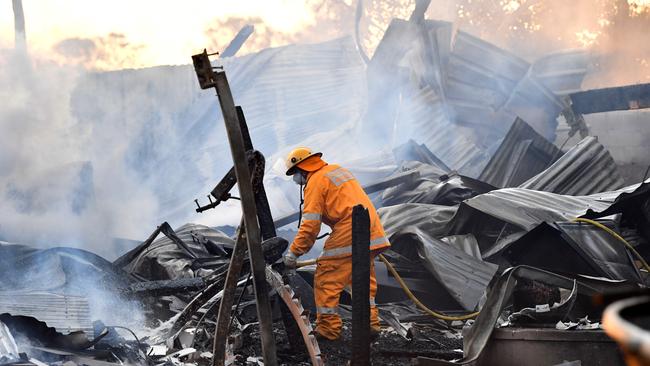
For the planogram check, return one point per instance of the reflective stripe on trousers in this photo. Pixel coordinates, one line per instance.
(348, 249)
(324, 310)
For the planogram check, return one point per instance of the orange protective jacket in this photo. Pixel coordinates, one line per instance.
(330, 194)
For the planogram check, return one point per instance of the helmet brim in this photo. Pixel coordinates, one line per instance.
(291, 171)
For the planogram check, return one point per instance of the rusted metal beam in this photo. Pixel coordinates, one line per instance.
(360, 286)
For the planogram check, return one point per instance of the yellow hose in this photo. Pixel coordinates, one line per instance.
(614, 234)
(417, 302)
(424, 308)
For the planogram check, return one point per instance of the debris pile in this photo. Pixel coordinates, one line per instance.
(492, 225)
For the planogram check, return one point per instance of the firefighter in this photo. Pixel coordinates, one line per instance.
(330, 193)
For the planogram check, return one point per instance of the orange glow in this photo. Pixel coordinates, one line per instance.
(638, 7)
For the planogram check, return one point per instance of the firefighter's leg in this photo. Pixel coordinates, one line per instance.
(329, 280)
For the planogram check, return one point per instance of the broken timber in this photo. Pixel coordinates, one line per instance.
(208, 79)
(360, 286)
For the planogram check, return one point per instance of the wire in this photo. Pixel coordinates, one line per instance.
(617, 236)
(134, 336)
(417, 302)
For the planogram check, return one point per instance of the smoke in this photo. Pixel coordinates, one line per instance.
(613, 30)
(57, 186)
(84, 182)
(109, 52)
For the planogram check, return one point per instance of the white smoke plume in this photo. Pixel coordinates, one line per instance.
(60, 183)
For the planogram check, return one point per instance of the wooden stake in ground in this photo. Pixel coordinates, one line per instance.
(360, 286)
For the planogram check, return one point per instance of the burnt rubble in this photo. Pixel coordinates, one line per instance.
(484, 213)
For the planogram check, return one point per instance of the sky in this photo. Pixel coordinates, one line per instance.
(112, 35)
(166, 31)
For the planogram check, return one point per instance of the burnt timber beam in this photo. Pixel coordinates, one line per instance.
(249, 209)
(208, 78)
(165, 287)
(360, 286)
(227, 298)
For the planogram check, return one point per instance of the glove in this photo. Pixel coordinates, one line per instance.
(289, 259)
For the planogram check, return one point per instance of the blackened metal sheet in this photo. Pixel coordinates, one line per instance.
(165, 260)
(522, 154)
(454, 262)
(431, 218)
(464, 276)
(573, 248)
(527, 208)
(607, 252)
(498, 298)
(585, 169)
(434, 187)
(65, 313)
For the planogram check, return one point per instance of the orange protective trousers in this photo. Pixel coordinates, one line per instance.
(331, 277)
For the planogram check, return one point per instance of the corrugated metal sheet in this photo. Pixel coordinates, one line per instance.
(172, 130)
(527, 208)
(567, 247)
(65, 313)
(488, 86)
(562, 72)
(585, 169)
(164, 259)
(431, 218)
(461, 94)
(465, 276)
(8, 347)
(451, 143)
(455, 262)
(522, 154)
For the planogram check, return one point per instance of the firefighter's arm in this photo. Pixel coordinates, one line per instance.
(311, 218)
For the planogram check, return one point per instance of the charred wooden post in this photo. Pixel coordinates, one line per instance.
(228, 297)
(261, 201)
(208, 78)
(360, 286)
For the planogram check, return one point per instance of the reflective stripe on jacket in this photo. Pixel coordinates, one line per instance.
(330, 194)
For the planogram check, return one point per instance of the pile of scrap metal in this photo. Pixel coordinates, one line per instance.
(54, 302)
(529, 256)
(485, 215)
(460, 245)
(459, 94)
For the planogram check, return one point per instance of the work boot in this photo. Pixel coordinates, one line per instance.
(321, 337)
